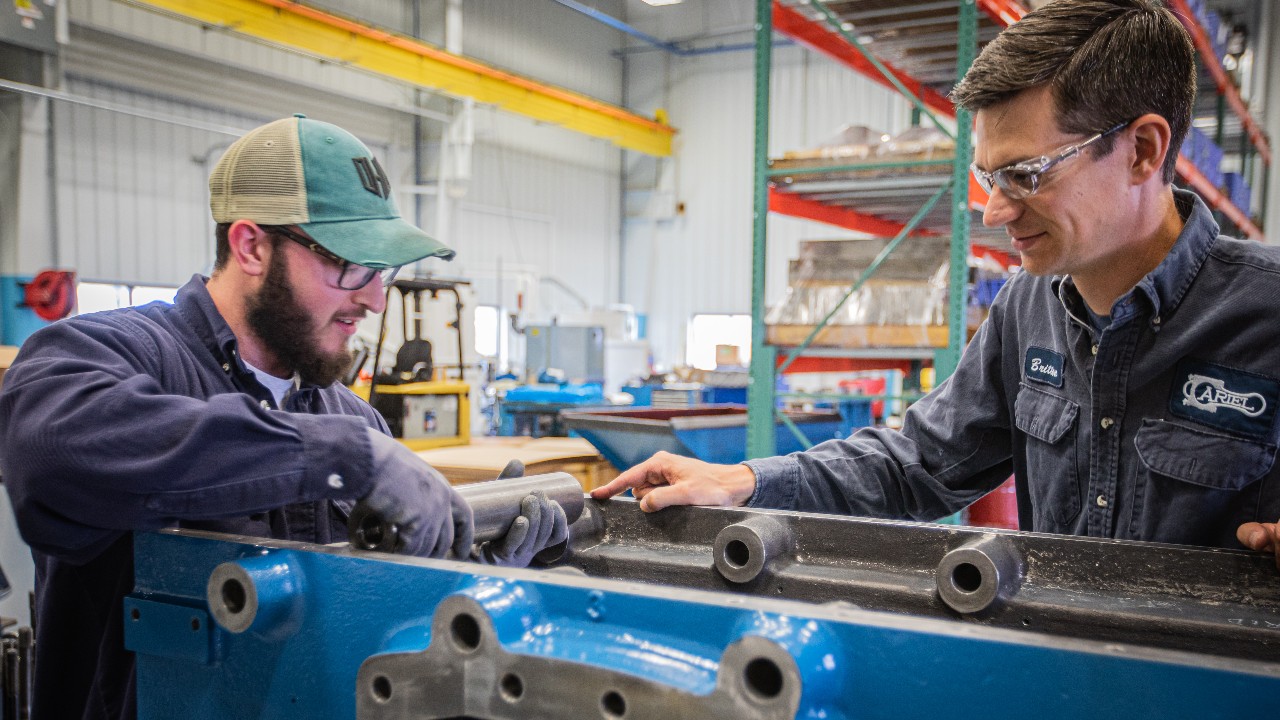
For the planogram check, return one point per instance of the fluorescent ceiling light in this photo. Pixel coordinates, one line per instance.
(662, 2)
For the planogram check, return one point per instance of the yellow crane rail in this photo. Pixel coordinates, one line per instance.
(316, 32)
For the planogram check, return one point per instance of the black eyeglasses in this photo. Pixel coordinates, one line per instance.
(1022, 179)
(350, 276)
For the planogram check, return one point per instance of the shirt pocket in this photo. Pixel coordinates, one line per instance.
(1196, 487)
(1053, 476)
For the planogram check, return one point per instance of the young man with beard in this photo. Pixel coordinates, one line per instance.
(222, 411)
(1129, 378)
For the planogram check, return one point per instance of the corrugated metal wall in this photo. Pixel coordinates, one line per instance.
(699, 260)
(131, 197)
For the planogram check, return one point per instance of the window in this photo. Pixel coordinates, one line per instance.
(487, 325)
(706, 331)
(93, 297)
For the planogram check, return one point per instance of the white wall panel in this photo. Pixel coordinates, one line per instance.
(700, 260)
(544, 40)
(539, 217)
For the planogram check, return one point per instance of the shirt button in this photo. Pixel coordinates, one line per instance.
(1107, 423)
(335, 481)
(1094, 349)
(1155, 320)
(1102, 501)
(226, 367)
(265, 405)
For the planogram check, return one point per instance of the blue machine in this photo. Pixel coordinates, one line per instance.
(231, 627)
(534, 410)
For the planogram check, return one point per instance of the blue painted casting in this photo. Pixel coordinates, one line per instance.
(350, 608)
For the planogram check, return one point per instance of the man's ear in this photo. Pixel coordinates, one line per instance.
(250, 247)
(1151, 135)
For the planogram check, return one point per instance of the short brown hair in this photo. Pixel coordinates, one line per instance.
(1107, 62)
(222, 247)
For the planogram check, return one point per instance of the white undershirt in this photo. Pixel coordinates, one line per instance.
(278, 386)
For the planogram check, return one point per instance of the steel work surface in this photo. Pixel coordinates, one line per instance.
(701, 613)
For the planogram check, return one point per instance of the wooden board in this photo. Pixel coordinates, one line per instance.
(485, 457)
(862, 336)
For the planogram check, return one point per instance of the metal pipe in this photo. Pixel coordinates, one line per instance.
(26, 662)
(10, 678)
(494, 506)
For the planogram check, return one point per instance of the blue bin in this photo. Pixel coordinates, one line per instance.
(714, 433)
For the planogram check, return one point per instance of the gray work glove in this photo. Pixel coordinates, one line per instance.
(431, 517)
(541, 524)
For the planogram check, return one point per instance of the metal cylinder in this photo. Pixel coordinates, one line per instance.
(980, 576)
(261, 594)
(494, 506)
(742, 550)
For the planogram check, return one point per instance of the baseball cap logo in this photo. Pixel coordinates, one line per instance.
(372, 177)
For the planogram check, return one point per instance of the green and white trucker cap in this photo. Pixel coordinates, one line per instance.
(315, 175)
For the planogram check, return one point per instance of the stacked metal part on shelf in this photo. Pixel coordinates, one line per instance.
(912, 185)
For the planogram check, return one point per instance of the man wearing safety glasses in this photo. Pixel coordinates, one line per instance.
(1129, 379)
(223, 411)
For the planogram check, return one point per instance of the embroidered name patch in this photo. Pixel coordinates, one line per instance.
(1223, 397)
(1043, 366)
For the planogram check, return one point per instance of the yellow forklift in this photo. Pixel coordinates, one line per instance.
(422, 411)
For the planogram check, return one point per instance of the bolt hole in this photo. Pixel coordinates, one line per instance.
(512, 687)
(369, 532)
(966, 577)
(613, 704)
(195, 624)
(763, 677)
(1026, 622)
(466, 632)
(737, 554)
(234, 598)
(381, 688)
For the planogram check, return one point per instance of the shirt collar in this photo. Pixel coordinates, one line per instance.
(1166, 285)
(197, 308)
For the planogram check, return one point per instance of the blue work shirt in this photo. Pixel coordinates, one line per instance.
(1160, 427)
(145, 418)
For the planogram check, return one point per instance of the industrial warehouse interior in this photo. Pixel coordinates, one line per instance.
(633, 359)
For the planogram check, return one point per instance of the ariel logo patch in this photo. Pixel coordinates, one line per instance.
(1211, 394)
(1224, 397)
(1044, 366)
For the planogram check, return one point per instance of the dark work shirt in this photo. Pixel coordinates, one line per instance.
(1160, 427)
(144, 418)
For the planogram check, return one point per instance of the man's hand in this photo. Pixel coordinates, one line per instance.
(542, 524)
(430, 516)
(665, 479)
(1261, 536)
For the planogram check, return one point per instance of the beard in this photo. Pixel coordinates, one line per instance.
(287, 330)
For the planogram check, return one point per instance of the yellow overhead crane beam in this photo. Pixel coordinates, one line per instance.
(316, 32)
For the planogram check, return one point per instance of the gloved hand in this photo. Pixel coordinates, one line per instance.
(431, 517)
(541, 524)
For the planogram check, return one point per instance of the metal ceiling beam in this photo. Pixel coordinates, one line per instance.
(288, 24)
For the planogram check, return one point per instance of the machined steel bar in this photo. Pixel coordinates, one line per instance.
(494, 504)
